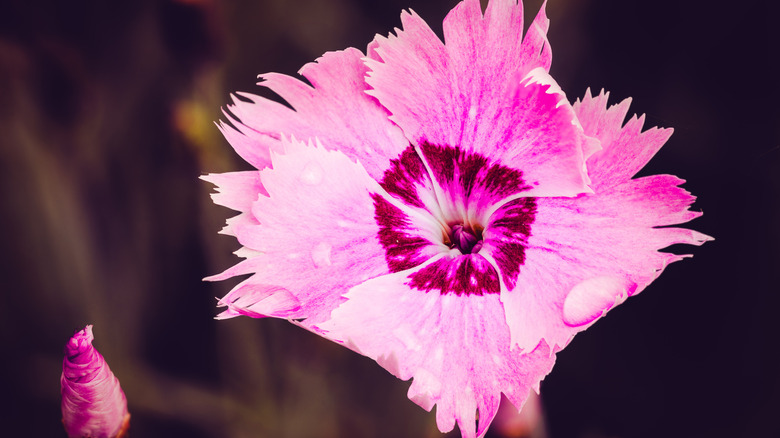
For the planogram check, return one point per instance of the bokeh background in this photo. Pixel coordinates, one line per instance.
(106, 122)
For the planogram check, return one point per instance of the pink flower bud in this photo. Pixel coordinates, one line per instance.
(93, 404)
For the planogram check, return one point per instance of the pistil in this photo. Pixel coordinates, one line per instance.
(465, 239)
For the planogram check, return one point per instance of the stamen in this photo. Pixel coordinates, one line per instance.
(466, 240)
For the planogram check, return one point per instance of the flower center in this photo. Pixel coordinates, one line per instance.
(457, 210)
(465, 239)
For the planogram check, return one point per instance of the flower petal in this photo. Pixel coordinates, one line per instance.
(579, 257)
(260, 301)
(475, 92)
(239, 220)
(467, 185)
(535, 51)
(335, 109)
(506, 238)
(236, 190)
(315, 236)
(255, 149)
(455, 346)
(625, 148)
(607, 241)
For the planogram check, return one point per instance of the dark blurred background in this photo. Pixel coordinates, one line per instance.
(106, 122)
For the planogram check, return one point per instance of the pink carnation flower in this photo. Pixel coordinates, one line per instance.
(442, 208)
(93, 404)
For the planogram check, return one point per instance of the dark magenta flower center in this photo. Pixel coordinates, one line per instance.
(448, 207)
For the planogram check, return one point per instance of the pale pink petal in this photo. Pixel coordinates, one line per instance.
(564, 262)
(236, 190)
(315, 236)
(335, 109)
(239, 220)
(254, 148)
(260, 301)
(93, 403)
(456, 347)
(467, 32)
(535, 51)
(626, 149)
(587, 254)
(484, 92)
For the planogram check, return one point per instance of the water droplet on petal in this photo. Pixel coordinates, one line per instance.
(320, 255)
(311, 174)
(591, 298)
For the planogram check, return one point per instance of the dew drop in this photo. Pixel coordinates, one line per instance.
(320, 255)
(311, 174)
(591, 298)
